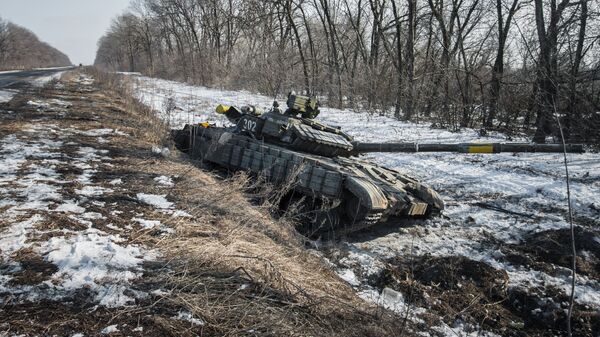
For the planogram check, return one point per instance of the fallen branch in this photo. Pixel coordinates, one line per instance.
(502, 210)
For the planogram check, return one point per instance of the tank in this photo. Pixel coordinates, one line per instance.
(319, 165)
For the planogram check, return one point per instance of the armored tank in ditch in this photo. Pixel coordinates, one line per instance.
(318, 167)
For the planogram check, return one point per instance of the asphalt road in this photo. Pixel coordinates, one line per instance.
(13, 80)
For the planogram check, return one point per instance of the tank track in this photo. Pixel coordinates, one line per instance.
(370, 219)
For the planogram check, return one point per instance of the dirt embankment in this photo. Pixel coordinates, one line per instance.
(131, 238)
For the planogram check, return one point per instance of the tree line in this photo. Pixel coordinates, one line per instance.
(21, 49)
(513, 65)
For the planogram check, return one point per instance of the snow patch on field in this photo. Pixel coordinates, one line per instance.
(102, 132)
(110, 329)
(6, 95)
(15, 236)
(164, 180)
(158, 201)
(34, 193)
(94, 260)
(70, 207)
(188, 317)
(116, 182)
(90, 191)
(41, 81)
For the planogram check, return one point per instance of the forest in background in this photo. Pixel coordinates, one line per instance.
(21, 49)
(510, 65)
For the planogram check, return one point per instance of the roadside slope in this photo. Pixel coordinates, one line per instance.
(104, 230)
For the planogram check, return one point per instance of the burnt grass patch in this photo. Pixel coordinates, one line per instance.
(466, 292)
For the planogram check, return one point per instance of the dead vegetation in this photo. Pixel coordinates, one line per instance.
(229, 264)
(284, 288)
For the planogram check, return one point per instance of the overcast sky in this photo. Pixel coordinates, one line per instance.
(72, 26)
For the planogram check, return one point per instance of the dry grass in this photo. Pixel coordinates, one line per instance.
(231, 263)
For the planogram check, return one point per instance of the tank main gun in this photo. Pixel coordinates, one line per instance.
(297, 129)
(360, 147)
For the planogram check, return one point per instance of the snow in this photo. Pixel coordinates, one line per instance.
(164, 180)
(391, 300)
(14, 237)
(188, 317)
(70, 207)
(55, 68)
(115, 182)
(129, 73)
(90, 191)
(32, 189)
(161, 151)
(160, 292)
(147, 224)
(6, 95)
(11, 71)
(349, 276)
(110, 329)
(85, 80)
(41, 81)
(90, 259)
(102, 132)
(158, 201)
(463, 330)
(181, 214)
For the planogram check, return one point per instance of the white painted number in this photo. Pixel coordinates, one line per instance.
(249, 125)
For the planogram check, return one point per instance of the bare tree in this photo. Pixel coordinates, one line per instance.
(451, 62)
(21, 48)
(455, 27)
(3, 40)
(577, 58)
(410, 59)
(290, 16)
(547, 72)
(503, 26)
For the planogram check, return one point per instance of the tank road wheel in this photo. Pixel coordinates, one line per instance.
(357, 216)
(314, 220)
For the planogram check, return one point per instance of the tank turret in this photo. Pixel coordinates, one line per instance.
(294, 129)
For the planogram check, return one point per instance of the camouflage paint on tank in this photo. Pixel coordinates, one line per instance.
(314, 159)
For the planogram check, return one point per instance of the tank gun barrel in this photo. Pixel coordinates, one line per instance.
(466, 147)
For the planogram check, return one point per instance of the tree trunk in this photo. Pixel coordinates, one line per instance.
(288, 7)
(574, 115)
(547, 66)
(410, 60)
(498, 68)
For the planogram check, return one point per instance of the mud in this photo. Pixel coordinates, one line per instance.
(550, 251)
(471, 293)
